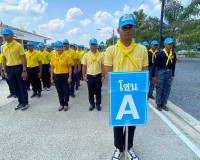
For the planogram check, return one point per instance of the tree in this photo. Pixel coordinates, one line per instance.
(109, 42)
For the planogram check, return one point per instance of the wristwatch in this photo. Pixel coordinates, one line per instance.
(24, 71)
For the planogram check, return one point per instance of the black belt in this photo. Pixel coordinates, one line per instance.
(94, 75)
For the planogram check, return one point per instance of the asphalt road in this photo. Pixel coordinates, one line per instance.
(43, 133)
(185, 92)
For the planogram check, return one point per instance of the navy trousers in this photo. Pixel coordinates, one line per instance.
(17, 83)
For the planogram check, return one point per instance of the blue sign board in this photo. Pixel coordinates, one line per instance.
(128, 98)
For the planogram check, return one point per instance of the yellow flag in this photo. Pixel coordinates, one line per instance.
(22, 28)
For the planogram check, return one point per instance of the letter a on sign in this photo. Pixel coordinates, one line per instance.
(128, 99)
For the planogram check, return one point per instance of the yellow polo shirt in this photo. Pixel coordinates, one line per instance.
(13, 53)
(61, 66)
(113, 57)
(33, 59)
(82, 54)
(78, 56)
(45, 56)
(1, 61)
(93, 68)
(52, 53)
(72, 54)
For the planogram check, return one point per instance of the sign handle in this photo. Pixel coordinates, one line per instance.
(126, 143)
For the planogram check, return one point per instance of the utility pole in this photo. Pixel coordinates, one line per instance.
(161, 25)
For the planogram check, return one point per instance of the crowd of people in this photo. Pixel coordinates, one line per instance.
(67, 64)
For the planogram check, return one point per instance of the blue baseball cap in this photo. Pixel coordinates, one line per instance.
(7, 31)
(72, 44)
(48, 47)
(79, 46)
(65, 41)
(93, 41)
(116, 40)
(99, 46)
(41, 45)
(58, 44)
(104, 49)
(134, 39)
(145, 43)
(82, 46)
(0, 49)
(168, 41)
(139, 43)
(30, 44)
(126, 19)
(4, 42)
(154, 42)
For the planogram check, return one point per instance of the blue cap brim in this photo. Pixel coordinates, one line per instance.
(126, 23)
(6, 33)
(169, 42)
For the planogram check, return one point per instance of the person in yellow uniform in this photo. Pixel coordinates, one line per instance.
(12, 94)
(72, 54)
(61, 75)
(81, 57)
(15, 67)
(34, 69)
(125, 56)
(93, 65)
(46, 57)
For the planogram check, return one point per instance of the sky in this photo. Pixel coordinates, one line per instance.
(75, 20)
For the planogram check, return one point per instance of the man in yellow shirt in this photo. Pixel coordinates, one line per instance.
(79, 58)
(125, 56)
(15, 67)
(34, 69)
(72, 54)
(93, 65)
(12, 94)
(46, 57)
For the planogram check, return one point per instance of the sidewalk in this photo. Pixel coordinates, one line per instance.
(43, 133)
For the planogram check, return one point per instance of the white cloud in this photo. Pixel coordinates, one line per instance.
(85, 22)
(73, 14)
(145, 7)
(106, 32)
(54, 25)
(23, 11)
(102, 17)
(73, 31)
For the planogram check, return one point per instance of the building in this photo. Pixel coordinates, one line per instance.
(23, 36)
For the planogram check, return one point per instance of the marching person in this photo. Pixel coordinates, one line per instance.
(46, 57)
(146, 44)
(12, 94)
(61, 75)
(93, 65)
(15, 67)
(125, 56)
(34, 69)
(152, 56)
(72, 54)
(165, 63)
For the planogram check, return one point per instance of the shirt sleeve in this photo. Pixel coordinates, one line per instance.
(39, 57)
(174, 64)
(21, 50)
(69, 61)
(108, 61)
(155, 64)
(84, 61)
(145, 59)
(51, 62)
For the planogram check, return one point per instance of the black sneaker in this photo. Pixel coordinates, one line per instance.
(91, 107)
(98, 108)
(72, 95)
(159, 107)
(165, 107)
(10, 95)
(39, 95)
(24, 107)
(34, 95)
(18, 106)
